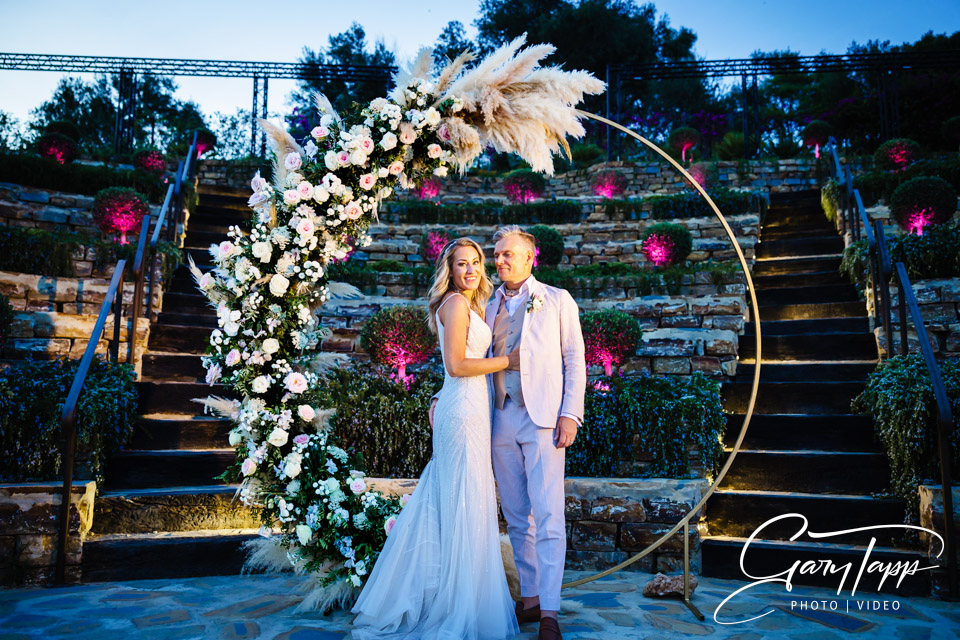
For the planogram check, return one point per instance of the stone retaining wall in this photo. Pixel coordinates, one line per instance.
(642, 178)
(610, 519)
(932, 518)
(28, 531)
(682, 334)
(584, 243)
(939, 302)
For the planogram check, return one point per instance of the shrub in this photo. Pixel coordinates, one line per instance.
(549, 246)
(6, 319)
(684, 139)
(896, 154)
(206, 141)
(703, 172)
(64, 128)
(666, 243)
(150, 160)
(609, 337)
(37, 251)
(57, 147)
(653, 418)
(880, 185)
(935, 254)
(382, 420)
(486, 213)
(524, 186)
(899, 396)
(119, 210)
(731, 146)
(815, 135)
(950, 130)
(585, 155)
(692, 205)
(830, 199)
(398, 336)
(608, 183)
(393, 266)
(920, 202)
(32, 395)
(432, 243)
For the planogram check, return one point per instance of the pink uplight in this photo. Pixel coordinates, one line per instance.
(429, 189)
(601, 386)
(434, 245)
(900, 155)
(658, 249)
(521, 194)
(609, 184)
(918, 220)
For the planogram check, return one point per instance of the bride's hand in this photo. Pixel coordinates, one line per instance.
(513, 359)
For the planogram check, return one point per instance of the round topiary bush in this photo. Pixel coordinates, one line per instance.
(549, 246)
(524, 185)
(206, 140)
(58, 147)
(432, 243)
(816, 134)
(920, 202)
(119, 210)
(896, 154)
(150, 160)
(429, 189)
(585, 155)
(398, 336)
(950, 130)
(684, 139)
(64, 128)
(666, 243)
(609, 338)
(609, 183)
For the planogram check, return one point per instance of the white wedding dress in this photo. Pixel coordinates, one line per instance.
(440, 574)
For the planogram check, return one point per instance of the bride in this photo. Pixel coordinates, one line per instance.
(440, 574)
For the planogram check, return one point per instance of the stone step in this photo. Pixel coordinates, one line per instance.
(153, 556)
(179, 367)
(840, 292)
(176, 397)
(722, 557)
(811, 398)
(206, 318)
(771, 230)
(793, 265)
(201, 257)
(179, 338)
(808, 471)
(810, 346)
(185, 302)
(211, 227)
(171, 509)
(131, 469)
(790, 280)
(806, 371)
(808, 311)
(203, 239)
(809, 327)
(819, 245)
(171, 431)
(781, 432)
(739, 514)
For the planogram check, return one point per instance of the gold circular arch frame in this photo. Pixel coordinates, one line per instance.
(756, 371)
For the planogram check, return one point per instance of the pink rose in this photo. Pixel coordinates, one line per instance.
(206, 280)
(388, 525)
(305, 227)
(366, 144)
(353, 210)
(320, 132)
(301, 439)
(395, 168)
(233, 357)
(367, 181)
(257, 199)
(358, 486)
(305, 189)
(444, 132)
(434, 151)
(408, 136)
(343, 157)
(292, 162)
(291, 197)
(258, 183)
(295, 382)
(306, 412)
(248, 467)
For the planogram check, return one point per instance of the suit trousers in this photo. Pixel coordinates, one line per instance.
(529, 473)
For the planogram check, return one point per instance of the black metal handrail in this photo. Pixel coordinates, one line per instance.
(907, 301)
(114, 297)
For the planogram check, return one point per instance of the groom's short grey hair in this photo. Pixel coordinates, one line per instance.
(514, 230)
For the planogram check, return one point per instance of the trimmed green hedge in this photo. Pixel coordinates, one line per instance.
(32, 395)
(875, 186)
(935, 254)
(490, 213)
(687, 205)
(645, 280)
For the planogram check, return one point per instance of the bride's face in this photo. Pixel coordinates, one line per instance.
(467, 269)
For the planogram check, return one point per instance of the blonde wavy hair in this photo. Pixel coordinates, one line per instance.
(443, 280)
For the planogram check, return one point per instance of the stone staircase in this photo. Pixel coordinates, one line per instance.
(162, 513)
(804, 451)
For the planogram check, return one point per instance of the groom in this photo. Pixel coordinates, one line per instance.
(536, 414)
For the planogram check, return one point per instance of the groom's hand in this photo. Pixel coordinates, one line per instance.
(565, 433)
(433, 404)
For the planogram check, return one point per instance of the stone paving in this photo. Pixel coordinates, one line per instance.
(234, 607)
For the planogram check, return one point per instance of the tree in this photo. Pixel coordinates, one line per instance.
(452, 41)
(90, 106)
(346, 48)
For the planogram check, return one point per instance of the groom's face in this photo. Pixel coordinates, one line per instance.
(514, 259)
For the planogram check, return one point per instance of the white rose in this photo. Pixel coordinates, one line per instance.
(389, 141)
(291, 468)
(304, 533)
(235, 438)
(306, 412)
(440, 171)
(358, 157)
(358, 486)
(206, 281)
(248, 467)
(278, 284)
(432, 117)
(271, 346)
(295, 382)
(330, 160)
(262, 250)
(320, 194)
(383, 172)
(291, 197)
(292, 162)
(260, 384)
(408, 136)
(278, 437)
(231, 328)
(326, 120)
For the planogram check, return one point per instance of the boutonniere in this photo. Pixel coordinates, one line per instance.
(535, 302)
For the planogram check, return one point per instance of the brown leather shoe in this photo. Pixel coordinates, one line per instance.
(527, 615)
(549, 629)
